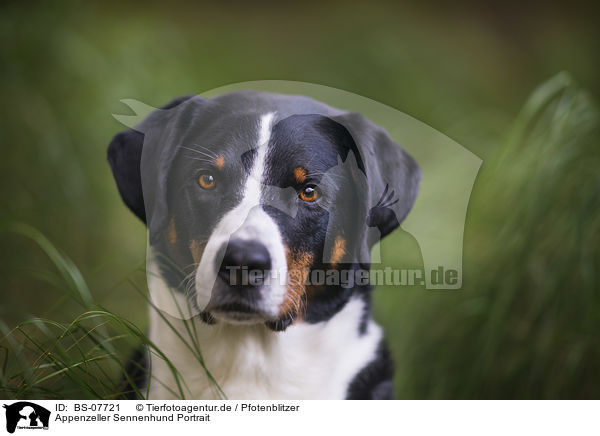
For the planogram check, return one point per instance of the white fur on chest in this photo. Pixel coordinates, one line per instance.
(307, 361)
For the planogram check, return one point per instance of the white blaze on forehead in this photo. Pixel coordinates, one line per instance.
(253, 184)
(250, 222)
(265, 128)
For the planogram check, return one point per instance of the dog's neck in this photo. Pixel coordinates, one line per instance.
(253, 362)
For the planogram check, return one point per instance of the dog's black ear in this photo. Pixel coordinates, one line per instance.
(393, 176)
(125, 156)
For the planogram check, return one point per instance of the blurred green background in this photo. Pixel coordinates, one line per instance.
(526, 323)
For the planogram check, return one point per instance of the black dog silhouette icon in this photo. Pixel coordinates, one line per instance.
(30, 415)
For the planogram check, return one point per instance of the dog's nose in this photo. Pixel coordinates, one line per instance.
(245, 262)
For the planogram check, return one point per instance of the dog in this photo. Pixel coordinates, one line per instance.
(245, 195)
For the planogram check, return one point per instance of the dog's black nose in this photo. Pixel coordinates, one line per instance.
(245, 263)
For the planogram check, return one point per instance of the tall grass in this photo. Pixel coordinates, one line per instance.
(88, 358)
(527, 322)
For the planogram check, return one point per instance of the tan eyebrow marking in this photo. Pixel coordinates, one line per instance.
(196, 250)
(339, 249)
(172, 231)
(300, 174)
(220, 162)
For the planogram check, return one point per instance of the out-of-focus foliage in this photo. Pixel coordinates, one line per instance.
(526, 323)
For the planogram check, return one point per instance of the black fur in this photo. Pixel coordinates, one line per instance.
(317, 143)
(137, 370)
(124, 156)
(374, 381)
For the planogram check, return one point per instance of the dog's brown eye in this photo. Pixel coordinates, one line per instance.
(309, 194)
(207, 181)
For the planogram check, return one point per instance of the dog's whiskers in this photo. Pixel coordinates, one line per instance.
(207, 149)
(211, 155)
(200, 159)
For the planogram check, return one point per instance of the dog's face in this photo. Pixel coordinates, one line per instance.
(246, 194)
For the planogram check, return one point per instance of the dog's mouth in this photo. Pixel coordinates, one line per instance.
(237, 313)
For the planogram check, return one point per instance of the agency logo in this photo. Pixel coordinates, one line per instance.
(26, 415)
(173, 154)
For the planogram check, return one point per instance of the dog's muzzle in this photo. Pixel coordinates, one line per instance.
(245, 264)
(241, 280)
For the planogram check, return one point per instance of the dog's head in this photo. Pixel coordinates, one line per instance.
(246, 194)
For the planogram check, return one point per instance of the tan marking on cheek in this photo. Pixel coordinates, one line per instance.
(196, 249)
(220, 162)
(172, 232)
(300, 174)
(298, 269)
(338, 251)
